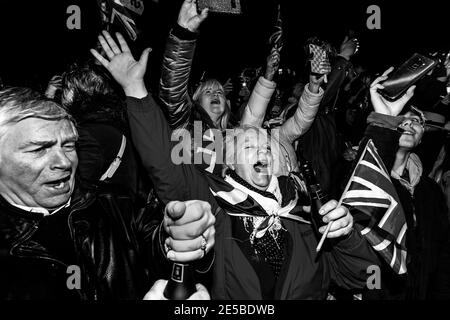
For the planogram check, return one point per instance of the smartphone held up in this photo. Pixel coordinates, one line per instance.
(408, 74)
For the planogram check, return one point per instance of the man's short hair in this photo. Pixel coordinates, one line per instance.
(17, 104)
(82, 82)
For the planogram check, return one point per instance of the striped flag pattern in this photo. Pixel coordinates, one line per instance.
(123, 14)
(381, 216)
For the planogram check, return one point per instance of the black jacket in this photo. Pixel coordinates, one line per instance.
(173, 87)
(181, 111)
(116, 248)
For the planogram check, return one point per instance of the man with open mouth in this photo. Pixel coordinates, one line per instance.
(59, 242)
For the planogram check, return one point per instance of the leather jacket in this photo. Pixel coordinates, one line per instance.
(173, 86)
(118, 253)
(181, 111)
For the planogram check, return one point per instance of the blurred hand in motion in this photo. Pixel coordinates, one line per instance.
(273, 62)
(349, 47)
(383, 106)
(315, 81)
(128, 72)
(350, 154)
(190, 229)
(189, 18)
(157, 292)
(228, 87)
(54, 85)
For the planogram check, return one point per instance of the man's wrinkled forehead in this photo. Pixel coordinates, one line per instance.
(64, 128)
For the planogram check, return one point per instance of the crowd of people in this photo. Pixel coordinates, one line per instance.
(100, 173)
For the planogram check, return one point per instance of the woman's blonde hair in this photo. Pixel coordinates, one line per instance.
(213, 84)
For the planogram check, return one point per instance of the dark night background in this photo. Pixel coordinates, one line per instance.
(35, 43)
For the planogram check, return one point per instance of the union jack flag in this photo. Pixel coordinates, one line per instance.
(381, 216)
(122, 13)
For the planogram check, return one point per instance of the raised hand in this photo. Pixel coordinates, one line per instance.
(383, 106)
(315, 81)
(349, 47)
(54, 85)
(157, 292)
(190, 226)
(128, 72)
(188, 17)
(228, 87)
(273, 62)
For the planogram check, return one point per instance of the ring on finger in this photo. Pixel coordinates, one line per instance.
(167, 248)
(204, 243)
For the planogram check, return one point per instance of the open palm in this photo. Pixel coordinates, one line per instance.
(122, 65)
(189, 18)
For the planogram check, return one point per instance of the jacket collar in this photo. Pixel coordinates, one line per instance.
(412, 173)
(17, 224)
(43, 211)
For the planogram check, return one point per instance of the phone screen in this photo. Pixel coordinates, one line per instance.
(220, 6)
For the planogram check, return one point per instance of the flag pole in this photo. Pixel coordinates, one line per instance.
(319, 246)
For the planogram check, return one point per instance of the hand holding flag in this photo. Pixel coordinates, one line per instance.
(380, 213)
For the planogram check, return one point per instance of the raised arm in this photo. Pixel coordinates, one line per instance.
(339, 71)
(262, 93)
(150, 132)
(383, 122)
(177, 63)
(306, 111)
(151, 135)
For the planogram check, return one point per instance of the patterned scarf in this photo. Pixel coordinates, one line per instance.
(265, 209)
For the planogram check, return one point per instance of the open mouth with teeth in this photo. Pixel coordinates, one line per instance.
(60, 183)
(260, 166)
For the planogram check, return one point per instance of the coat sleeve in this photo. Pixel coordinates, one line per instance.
(257, 104)
(175, 72)
(349, 261)
(382, 131)
(152, 138)
(335, 79)
(304, 116)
